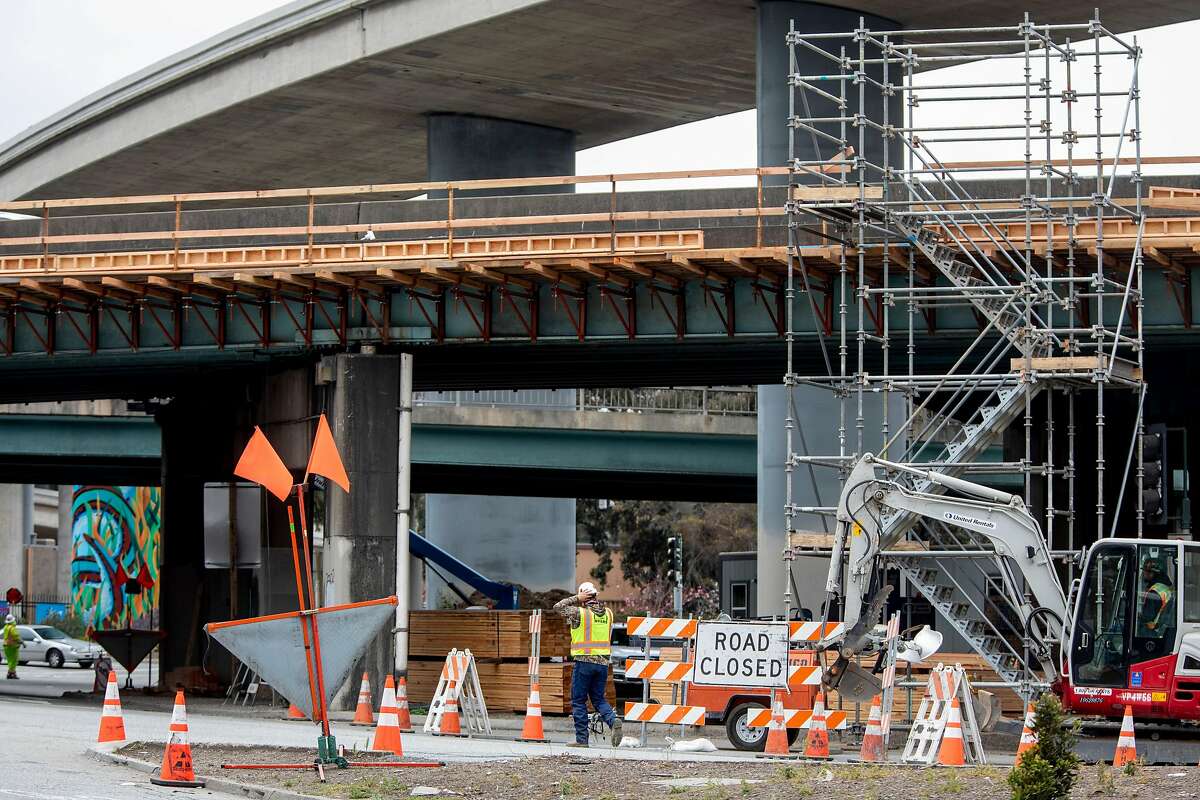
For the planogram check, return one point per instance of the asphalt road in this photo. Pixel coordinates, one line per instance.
(39, 680)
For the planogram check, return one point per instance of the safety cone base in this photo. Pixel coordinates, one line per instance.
(196, 784)
(525, 739)
(450, 735)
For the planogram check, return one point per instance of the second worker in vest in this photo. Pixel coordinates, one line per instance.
(591, 648)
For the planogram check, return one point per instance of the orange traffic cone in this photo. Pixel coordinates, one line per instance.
(362, 713)
(777, 739)
(177, 758)
(1126, 746)
(816, 743)
(112, 724)
(951, 754)
(295, 713)
(872, 743)
(1028, 738)
(387, 732)
(450, 724)
(532, 730)
(402, 706)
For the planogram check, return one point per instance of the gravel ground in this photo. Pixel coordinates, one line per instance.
(600, 779)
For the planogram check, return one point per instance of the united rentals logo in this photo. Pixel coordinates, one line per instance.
(961, 519)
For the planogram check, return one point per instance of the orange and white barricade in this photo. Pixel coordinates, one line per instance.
(458, 699)
(532, 730)
(796, 718)
(938, 707)
(664, 714)
(678, 672)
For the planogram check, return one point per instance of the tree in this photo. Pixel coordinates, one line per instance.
(641, 529)
(1048, 769)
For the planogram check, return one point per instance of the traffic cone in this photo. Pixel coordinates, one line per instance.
(950, 754)
(1126, 746)
(387, 732)
(177, 758)
(112, 724)
(362, 714)
(296, 714)
(1028, 738)
(402, 706)
(450, 724)
(816, 743)
(777, 739)
(872, 743)
(532, 730)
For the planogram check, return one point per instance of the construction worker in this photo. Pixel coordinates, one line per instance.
(591, 648)
(11, 638)
(1156, 614)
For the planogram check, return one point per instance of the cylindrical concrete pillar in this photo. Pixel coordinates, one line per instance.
(772, 88)
(467, 147)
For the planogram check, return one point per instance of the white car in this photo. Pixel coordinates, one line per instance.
(44, 643)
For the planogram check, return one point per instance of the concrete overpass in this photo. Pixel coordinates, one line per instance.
(372, 91)
(456, 449)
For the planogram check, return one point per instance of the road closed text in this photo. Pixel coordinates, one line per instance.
(741, 654)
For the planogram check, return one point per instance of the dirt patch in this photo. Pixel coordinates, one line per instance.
(576, 778)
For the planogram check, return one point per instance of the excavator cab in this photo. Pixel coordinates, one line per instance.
(1137, 604)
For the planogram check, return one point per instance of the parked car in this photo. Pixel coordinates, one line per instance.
(45, 643)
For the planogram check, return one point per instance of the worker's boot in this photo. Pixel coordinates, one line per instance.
(577, 744)
(617, 733)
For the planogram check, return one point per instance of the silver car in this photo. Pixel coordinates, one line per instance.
(44, 643)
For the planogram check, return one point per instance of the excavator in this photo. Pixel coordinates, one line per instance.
(1126, 633)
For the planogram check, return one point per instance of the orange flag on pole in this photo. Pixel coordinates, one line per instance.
(262, 465)
(324, 458)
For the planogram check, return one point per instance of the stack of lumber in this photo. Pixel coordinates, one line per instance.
(500, 642)
(489, 635)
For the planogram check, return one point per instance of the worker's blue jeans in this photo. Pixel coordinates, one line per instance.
(588, 681)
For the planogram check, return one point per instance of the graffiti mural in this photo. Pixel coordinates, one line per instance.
(116, 532)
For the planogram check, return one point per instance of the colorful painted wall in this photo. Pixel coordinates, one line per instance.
(116, 533)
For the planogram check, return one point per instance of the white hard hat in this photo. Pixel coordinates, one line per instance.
(587, 587)
(11, 619)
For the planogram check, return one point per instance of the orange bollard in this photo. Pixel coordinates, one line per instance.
(532, 730)
(872, 743)
(177, 758)
(1126, 746)
(402, 715)
(112, 724)
(450, 723)
(1028, 738)
(816, 743)
(362, 712)
(777, 739)
(387, 733)
(951, 753)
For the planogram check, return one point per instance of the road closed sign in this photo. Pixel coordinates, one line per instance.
(742, 654)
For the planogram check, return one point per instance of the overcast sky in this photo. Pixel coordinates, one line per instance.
(54, 52)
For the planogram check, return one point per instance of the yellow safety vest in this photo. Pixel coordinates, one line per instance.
(590, 636)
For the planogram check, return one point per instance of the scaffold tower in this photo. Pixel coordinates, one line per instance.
(1016, 241)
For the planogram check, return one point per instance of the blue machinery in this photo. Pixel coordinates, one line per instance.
(505, 594)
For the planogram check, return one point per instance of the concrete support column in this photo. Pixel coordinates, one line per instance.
(360, 545)
(772, 87)
(12, 532)
(467, 147)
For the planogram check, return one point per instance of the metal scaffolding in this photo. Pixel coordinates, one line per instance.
(1057, 319)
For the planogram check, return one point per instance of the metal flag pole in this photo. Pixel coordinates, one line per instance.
(326, 745)
(308, 652)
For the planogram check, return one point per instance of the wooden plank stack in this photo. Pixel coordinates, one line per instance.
(500, 642)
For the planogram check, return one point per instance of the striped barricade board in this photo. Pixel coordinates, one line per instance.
(796, 718)
(681, 672)
(661, 627)
(665, 714)
(814, 632)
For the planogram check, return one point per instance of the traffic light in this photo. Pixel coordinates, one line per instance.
(675, 559)
(1154, 474)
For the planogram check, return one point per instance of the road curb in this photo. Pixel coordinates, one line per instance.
(217, 784)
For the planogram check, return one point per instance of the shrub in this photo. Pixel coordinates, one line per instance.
(71, 625)
(1047, 770)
